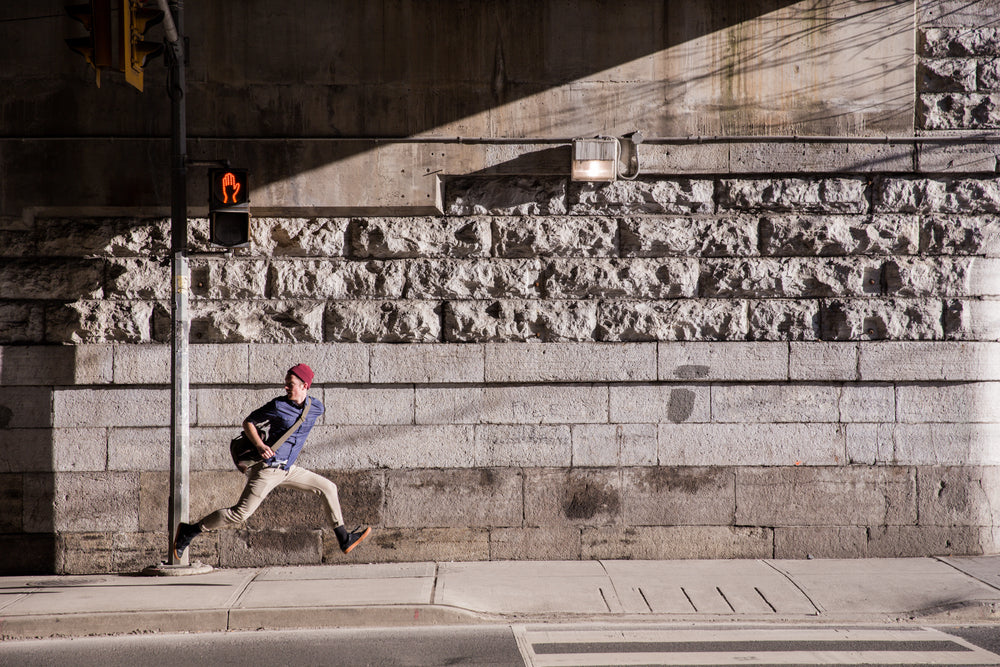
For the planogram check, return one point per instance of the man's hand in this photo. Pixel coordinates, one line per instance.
(262, 447)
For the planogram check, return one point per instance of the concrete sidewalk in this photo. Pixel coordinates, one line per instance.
(926, 590)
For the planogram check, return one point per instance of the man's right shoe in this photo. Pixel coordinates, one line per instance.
(185, 533)
(354, 539)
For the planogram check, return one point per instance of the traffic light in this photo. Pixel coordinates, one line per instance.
(96, 47)
(137, 17)
(229, 207)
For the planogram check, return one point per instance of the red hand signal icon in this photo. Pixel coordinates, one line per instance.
(229, 181)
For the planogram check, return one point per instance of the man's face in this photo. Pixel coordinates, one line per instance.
(295, 389)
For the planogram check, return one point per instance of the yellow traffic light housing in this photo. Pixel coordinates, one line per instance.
(96, 47)
(137, 16)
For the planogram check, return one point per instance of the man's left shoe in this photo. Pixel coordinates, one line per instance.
(354, 539)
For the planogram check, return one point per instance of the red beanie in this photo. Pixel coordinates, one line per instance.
(304, 373)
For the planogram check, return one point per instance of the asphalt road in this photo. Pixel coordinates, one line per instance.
(533, 646)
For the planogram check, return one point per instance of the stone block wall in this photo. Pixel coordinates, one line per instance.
(958, 78)
(664, 368)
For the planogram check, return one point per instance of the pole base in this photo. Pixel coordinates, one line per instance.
(166, 570)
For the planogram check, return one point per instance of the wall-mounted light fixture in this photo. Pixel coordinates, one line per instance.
(595, 159)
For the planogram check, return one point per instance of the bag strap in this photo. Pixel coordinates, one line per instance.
(295, 426)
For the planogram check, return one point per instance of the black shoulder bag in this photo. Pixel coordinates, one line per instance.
(244, 452)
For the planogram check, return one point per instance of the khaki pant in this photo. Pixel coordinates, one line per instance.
(264, 480)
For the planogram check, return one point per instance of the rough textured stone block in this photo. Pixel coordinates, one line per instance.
(370, 405)
(948, 444)
(88, 501)
(959, 495)
(423, 364)
(483, 279)
(388, 446)
(79, 449)
(382, 322)
(960, 235)
(750, 444)
(532, 446)
(232, 278)
(394, 238)
(482, 497)
(99, 322)
(270, 321)
(958, 29)
(723, 361)
(520, 321)
(570, 362)
(881, 319)
(674, 320)
(823, 361)
(548, 543)
(119, 237)
(330, 361)
(555, 236)
(110, 407)
(614, 444)
(656, 236)
(299, 237)
(336, 279)
(844, 496)
(505, 196)
(959, 111)
(62, 279)
(804, 235)
(138, 449)
(923, 541)
(393, 545)
(666, 496)
(141, 278)
(961, 196)
(572, 497)
(745, 403)
(640, 278)
(677, 542)
(660, 403)
(821, 542)
(676, 196)
(829, 195)
(784, 320)
(966, 402)
(944, 361)
(938, 75)
(241, 548)
(989, 74)
(144, 364)
(793, 277)
(545, 404)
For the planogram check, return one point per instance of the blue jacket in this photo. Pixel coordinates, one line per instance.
(281, 414)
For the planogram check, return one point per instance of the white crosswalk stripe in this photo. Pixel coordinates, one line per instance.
(557, 646)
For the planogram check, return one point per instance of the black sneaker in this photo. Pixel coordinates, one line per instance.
(185, 533)
(354, 539)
